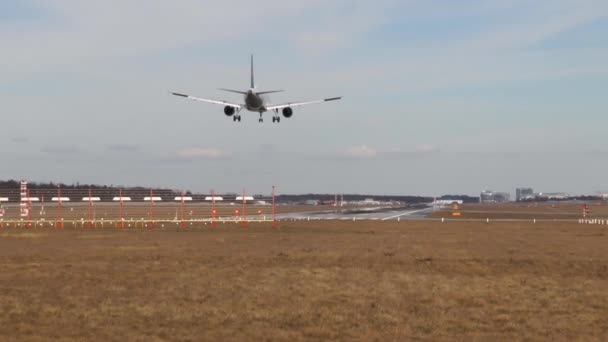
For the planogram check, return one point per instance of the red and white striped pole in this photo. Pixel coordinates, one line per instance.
(274, 218)
(182, 224)
(213, 208)
(59, 223)
(90, 209)
(244, 223)
(151, 209)
(29, 209)
(121, 224)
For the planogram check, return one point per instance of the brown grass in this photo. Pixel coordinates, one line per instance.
(308, 281)
(540, 211)
(24, 235)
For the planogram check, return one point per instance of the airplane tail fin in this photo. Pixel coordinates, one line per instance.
(252, 78)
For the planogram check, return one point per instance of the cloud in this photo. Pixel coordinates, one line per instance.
(541, 22)
(20, 140)
(192, 153)
(361, 152)
(419, 151)
(84, 33)
(90, 35)
(60, 150)
(426, 149)
(450, 73)
(367, 152)
(341, 23)
(122, 148)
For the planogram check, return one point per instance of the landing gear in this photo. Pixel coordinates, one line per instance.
(261, 119)
(276, 119)
(237, 116)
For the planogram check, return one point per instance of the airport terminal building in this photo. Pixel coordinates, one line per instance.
(524, 194)
(489, 196)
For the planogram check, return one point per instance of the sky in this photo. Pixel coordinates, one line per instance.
(440, 97)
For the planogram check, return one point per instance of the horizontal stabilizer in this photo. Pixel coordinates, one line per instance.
(234, 91)
(269, 92)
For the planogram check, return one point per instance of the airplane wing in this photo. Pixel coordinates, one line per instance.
(297, 104)
(237, 106)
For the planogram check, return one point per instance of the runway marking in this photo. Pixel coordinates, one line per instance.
(404, 214)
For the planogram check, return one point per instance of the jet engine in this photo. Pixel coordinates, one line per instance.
(287, 112)
(229, 111)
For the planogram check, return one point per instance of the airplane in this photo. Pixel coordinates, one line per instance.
(256, 101)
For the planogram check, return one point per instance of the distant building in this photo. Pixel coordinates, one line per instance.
(522, 194)
(554, 196)
(489, 196)
(448, 201)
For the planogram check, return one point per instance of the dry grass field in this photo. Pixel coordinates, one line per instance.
(324, 280)
(541, 211)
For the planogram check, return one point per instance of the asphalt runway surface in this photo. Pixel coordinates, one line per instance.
(374, 214)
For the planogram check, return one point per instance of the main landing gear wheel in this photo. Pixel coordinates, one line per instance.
(236, 118)
(261, 120)
(276, 119)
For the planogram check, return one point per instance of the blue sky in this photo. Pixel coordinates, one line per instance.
(439, 96)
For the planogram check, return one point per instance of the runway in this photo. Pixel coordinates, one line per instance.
(374, 214)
